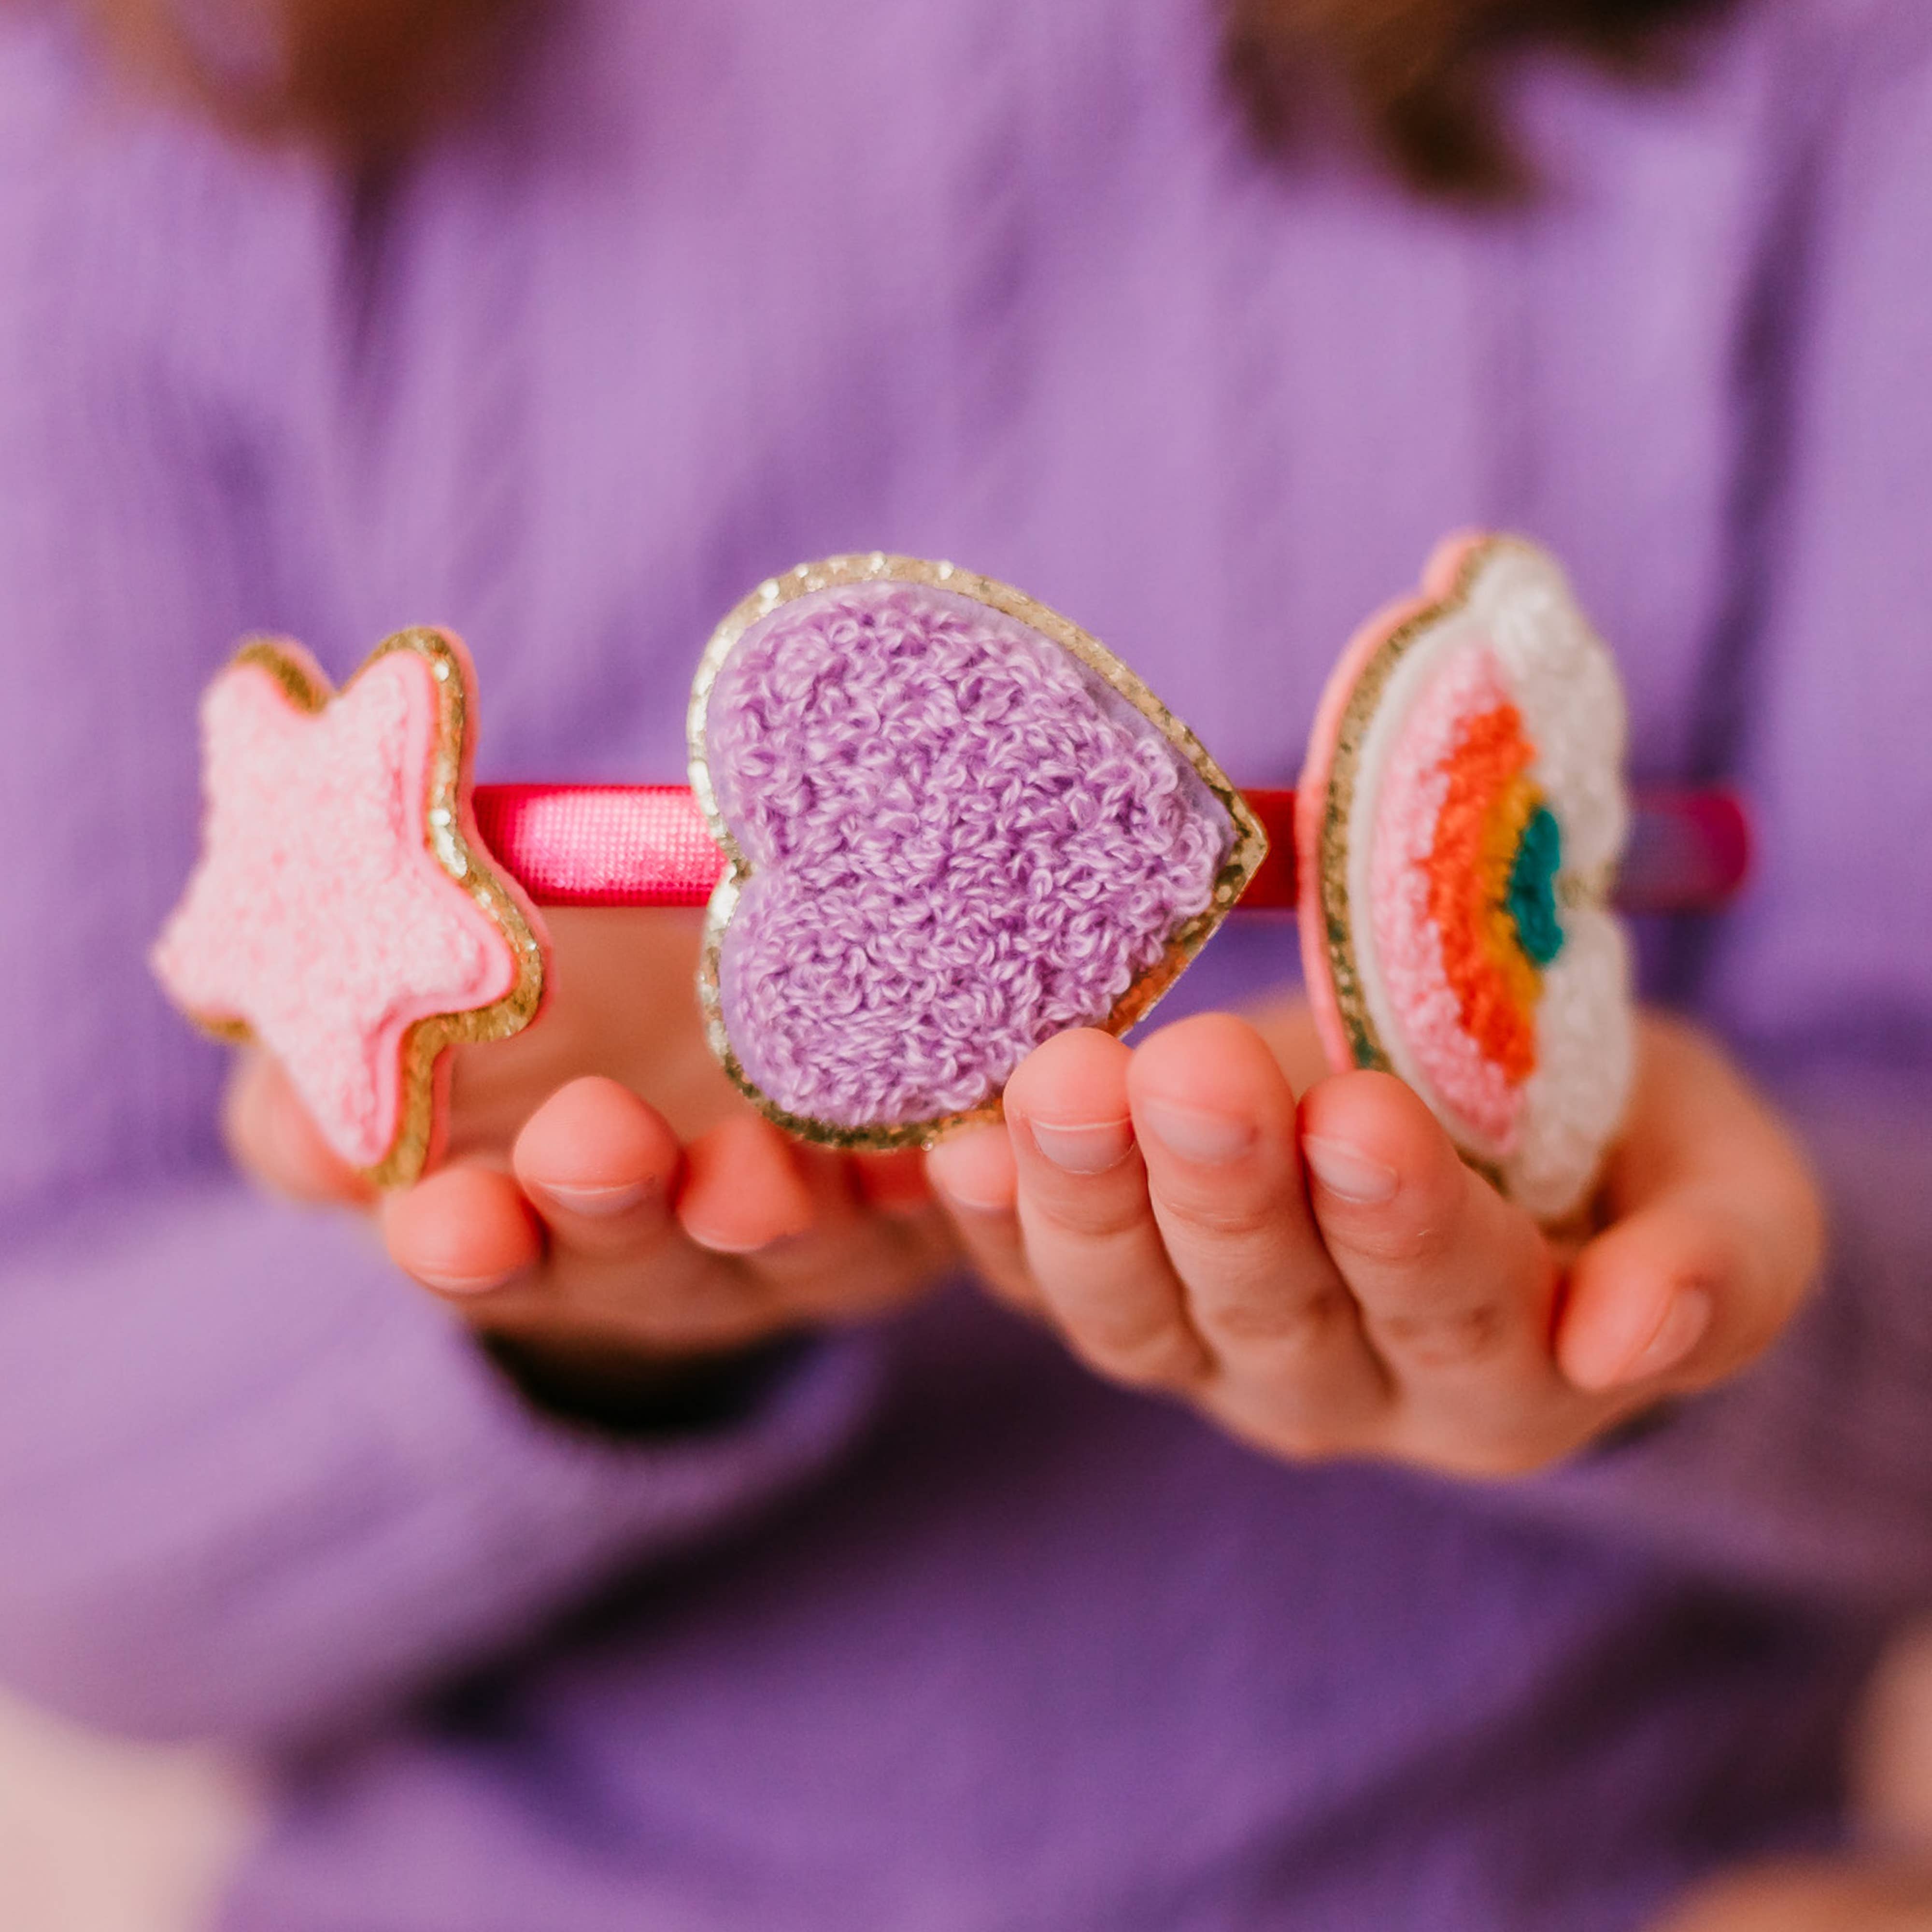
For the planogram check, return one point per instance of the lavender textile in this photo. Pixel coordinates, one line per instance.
(949, 1635)
(960, 850)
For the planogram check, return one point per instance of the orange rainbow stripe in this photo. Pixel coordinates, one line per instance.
(1490, 800)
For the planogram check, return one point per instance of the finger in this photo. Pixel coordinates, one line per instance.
(791, 1218)
(1644, 1298)
(1456, 1286)
(603, 1168)
(742, 1190)
(600, 1166)
(1091, 1241)
(1215, 1120)
(272, 1138)
(1718, 1236)
(975, 1175)
(605, 1171)
(464, 1232)
(850, 1260)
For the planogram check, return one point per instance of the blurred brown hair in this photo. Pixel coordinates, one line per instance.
(1418, 79)
(367, 77)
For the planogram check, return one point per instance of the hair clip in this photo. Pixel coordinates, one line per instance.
(935, 822)
(345, 914)
(1459, 821)
(955, 825)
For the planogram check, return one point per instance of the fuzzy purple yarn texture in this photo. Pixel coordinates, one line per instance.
(962, 843)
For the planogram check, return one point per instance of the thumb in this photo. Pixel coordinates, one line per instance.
(1716, 1236)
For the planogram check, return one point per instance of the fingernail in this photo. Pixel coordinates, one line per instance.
(734, 1247)
(466, 1284)
(1349, 1173)
(972, 1204)
(717, 1244)
(1087, 1147)
(597, 1203)
(1680, 1331)
(1196, 1134)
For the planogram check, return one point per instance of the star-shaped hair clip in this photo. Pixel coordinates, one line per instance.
(935, 822)
(345, 914)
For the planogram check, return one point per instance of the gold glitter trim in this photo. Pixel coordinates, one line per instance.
(445, 815)
(1246, 853)
(1338, 804)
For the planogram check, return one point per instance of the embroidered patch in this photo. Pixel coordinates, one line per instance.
(958, 827)
(343, 914)
(1459, 823)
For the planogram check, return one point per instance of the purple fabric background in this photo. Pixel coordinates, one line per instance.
(971, 1641)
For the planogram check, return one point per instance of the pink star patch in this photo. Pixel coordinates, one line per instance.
(345, 915)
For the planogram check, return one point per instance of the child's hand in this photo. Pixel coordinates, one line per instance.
(1152, 1204)
(1803, 1895)
(573, 1218)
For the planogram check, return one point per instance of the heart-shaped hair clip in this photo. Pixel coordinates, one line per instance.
(935, 823)
(956, 825)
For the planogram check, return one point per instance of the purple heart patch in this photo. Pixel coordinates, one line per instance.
(958, 826)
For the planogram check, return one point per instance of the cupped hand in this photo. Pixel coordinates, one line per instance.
(1809, 1895)
(1328, 1279)
(581, 1222)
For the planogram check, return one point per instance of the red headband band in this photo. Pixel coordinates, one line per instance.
(648, 845)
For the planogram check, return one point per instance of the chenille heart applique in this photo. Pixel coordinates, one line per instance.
(344, 914)
(956, 825)
(1458, 823)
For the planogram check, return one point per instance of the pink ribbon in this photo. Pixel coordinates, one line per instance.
(648, 845)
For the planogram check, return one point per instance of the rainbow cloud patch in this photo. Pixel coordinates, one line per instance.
(1459, 820)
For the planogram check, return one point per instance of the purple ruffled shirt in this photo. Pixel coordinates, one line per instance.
(944, 1633)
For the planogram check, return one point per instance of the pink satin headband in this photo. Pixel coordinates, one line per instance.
(648, 845)
(934, 822)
